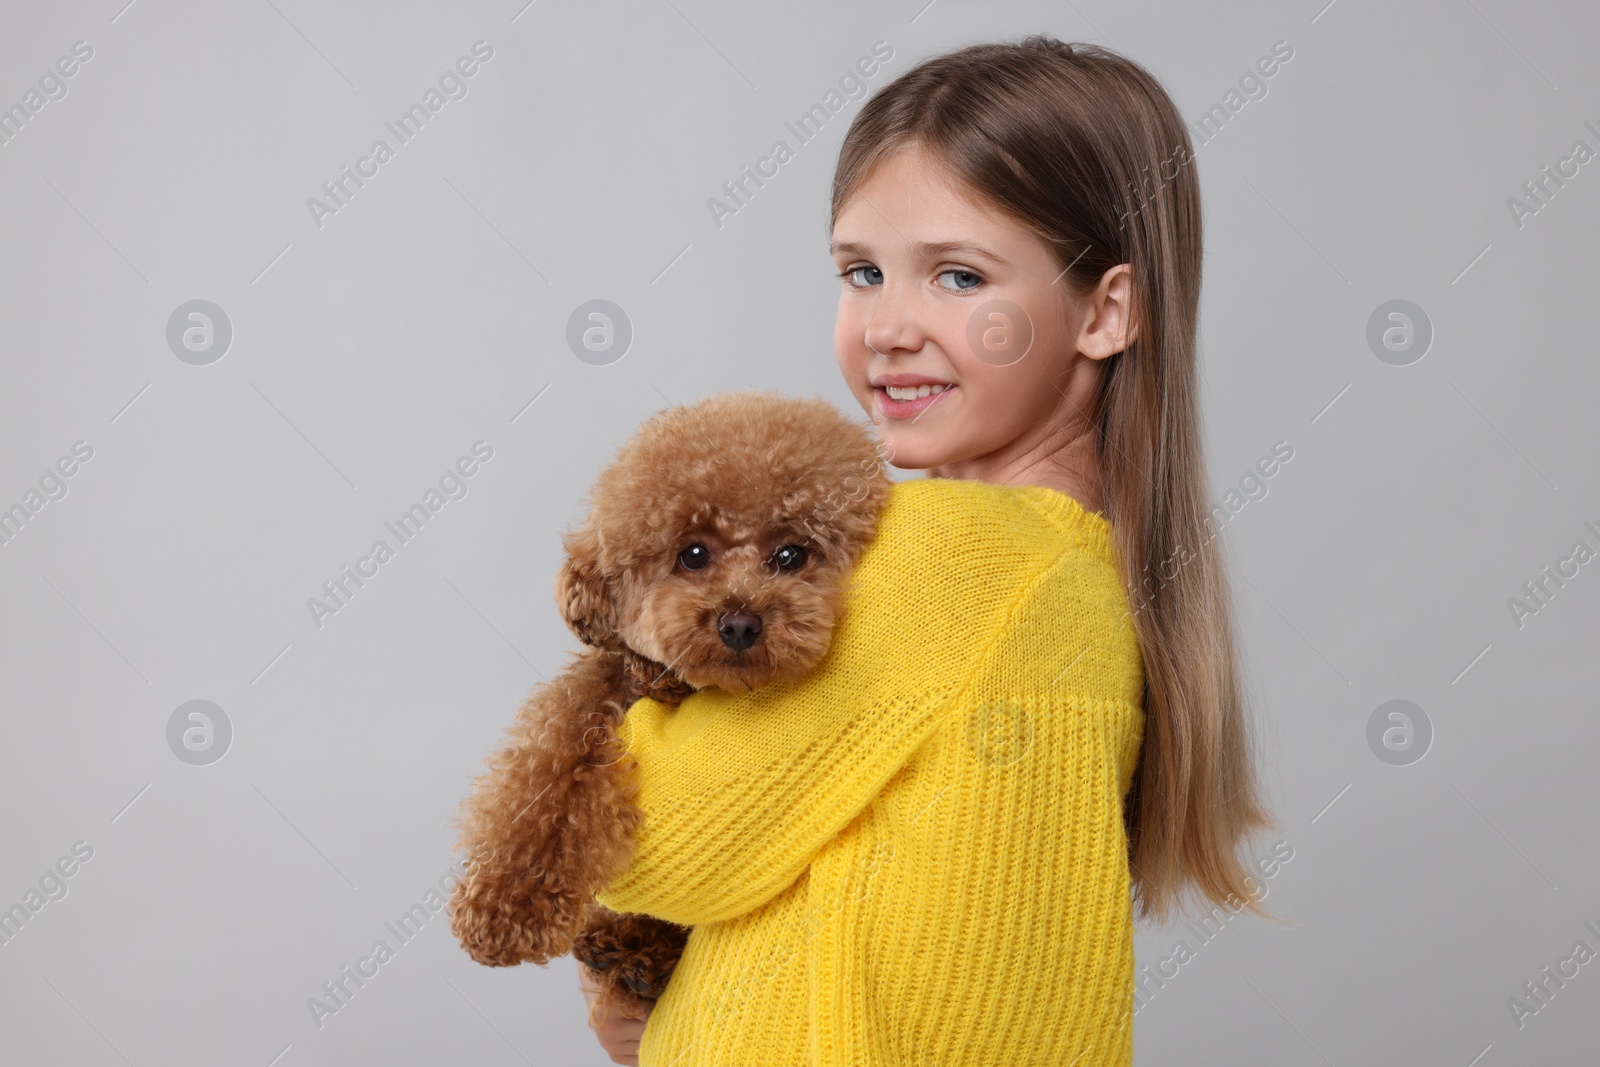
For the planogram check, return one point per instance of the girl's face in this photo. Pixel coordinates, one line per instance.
(961, 305)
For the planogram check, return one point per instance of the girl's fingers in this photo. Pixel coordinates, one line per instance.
(617, 1031)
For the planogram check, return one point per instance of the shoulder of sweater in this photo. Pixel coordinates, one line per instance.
(1070, 632)
(1027, 559)
(1032, 525)
(953, 559)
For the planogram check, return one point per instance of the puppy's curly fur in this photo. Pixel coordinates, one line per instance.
(716, 552)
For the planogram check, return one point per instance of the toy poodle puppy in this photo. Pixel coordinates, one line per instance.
(716, 552)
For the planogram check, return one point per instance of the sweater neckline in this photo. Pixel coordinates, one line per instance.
(1065, 511)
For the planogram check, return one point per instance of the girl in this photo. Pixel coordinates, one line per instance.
(1030, 721)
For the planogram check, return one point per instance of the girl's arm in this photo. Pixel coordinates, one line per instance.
(739, 794)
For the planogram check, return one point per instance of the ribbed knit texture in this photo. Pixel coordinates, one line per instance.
(915, 854)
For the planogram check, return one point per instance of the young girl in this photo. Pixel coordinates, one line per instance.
(1030, 720)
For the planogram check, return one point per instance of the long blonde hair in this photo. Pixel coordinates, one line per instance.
(1086, 149)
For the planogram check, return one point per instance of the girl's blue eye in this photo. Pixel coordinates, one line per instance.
(850, 276)
(975, 280)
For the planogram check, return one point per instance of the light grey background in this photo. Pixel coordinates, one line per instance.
(430, 312)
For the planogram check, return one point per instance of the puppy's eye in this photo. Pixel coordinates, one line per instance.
(789, 558)
(694, 557)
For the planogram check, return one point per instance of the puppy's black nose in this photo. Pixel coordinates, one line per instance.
(739, 629)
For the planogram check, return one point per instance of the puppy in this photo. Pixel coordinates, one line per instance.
(716, 552)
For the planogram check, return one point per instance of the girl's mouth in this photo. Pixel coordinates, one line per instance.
(906, 409)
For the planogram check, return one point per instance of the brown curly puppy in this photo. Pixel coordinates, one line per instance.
(716, 553)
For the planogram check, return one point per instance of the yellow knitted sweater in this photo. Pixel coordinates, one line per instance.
(915, 854)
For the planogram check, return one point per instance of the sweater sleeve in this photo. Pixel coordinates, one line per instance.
(739, 796)
(740, 792)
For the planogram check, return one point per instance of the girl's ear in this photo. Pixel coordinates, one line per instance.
(584, 593)
(1110, 324)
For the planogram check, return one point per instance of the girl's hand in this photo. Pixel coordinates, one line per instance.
(617, 1030)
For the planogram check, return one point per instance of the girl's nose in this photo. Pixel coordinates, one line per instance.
(892, 329)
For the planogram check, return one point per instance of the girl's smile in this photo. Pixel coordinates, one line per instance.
(903, 396)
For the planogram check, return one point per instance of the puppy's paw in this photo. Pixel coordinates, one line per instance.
(496, 934)
(624, 973)
(630, 955)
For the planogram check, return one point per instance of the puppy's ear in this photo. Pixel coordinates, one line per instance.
(584, 593)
